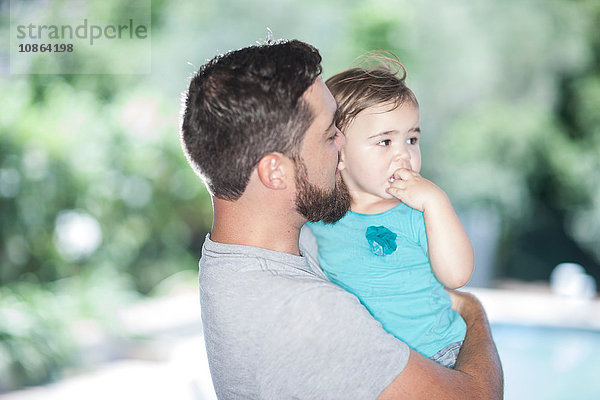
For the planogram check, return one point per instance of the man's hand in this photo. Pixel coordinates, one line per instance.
(415, 191)
(464, 303)
(476, 375)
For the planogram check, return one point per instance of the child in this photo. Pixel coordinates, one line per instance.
(401, 242)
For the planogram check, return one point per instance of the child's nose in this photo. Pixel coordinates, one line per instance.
(401, 153)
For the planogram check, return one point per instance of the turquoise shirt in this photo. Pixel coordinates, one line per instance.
(382, 260)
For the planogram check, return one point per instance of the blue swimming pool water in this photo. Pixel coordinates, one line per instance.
(549, 363)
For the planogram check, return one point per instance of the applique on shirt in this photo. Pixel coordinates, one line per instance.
(382, 241)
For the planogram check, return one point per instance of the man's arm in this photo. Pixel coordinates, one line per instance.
(476, 375)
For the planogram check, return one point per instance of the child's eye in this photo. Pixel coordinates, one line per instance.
(413, 140)
(385, 142)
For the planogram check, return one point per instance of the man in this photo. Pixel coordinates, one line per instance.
(258, 128)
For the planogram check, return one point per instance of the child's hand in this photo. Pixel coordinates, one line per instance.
(414, 190)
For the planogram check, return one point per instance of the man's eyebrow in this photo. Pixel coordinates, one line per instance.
(335, 116)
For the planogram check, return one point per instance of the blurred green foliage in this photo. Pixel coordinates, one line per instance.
(98, 205)
(115, 159)
(509, 106)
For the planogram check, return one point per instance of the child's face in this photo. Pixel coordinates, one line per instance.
(378, 142)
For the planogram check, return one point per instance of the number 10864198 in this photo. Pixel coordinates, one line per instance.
(45, 48)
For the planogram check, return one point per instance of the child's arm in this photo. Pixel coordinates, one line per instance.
(450, 250)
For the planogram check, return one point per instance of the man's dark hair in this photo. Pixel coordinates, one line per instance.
(243, 105)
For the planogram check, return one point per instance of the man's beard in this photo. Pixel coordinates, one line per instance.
(316, 204)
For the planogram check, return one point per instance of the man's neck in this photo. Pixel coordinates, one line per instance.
(264, 227)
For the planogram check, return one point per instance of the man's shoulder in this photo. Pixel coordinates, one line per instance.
(282, 281)
(242, 271)
(290, 328)
(263, 262)
(245, 256)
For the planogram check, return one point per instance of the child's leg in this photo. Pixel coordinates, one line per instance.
(447, 356)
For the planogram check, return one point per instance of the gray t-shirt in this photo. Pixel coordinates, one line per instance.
(276, 328)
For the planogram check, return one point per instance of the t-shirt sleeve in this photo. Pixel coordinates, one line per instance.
(310, 249)
(324, 344)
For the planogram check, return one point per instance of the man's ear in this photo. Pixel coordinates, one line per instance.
(273, 172)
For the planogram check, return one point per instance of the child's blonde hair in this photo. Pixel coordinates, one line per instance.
(357, 89)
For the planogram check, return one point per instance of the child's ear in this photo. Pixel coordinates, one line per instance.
(272, 170)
